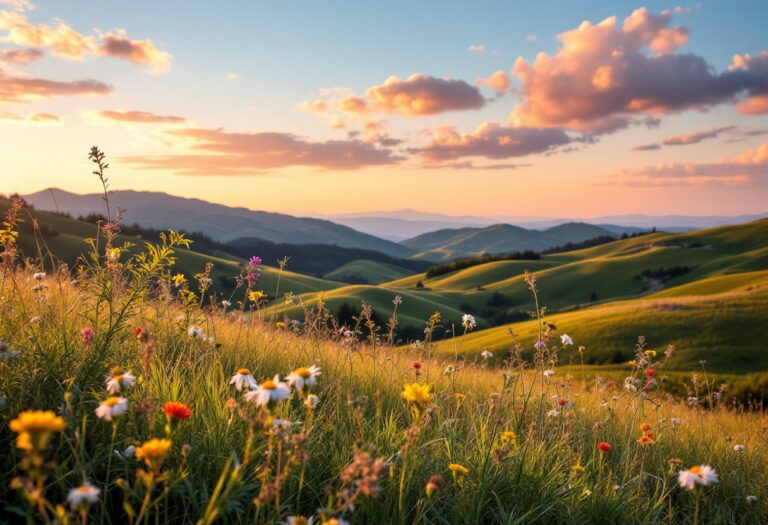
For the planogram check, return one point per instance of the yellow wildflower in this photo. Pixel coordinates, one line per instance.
(577, 469)
(154, 451)
(256, 295)
(458, 469)
(179, 279)
(34, 427)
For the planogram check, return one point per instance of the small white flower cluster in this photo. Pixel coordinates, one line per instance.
(275, 389)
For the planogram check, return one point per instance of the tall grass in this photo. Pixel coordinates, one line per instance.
(516, 444)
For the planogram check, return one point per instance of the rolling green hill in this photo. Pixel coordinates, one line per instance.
(364, 271)
(449, 244)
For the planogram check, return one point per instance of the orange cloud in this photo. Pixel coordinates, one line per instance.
(695, 138)
(499, 81)
(491, 141)
(605, 76)
(66, 42)
(142, 52)
(423, 95)
(140, 117)
(20, 56)
(749, 166)
(26, 89)
(33, 117)
(218, 152)
(353, 105)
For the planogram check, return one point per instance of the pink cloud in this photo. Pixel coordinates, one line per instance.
(420, 95)
(20, 56)
(218, 152)
(26, 89)
(140, 117)
(142, 52)
(606, 76)
(695, 138)
(749, 167)
(499, 81)
(647, 147)
(491, 141)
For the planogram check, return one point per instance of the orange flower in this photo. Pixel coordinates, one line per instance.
(604, 447)
(177, 410)
(645, 427)
(646, 439)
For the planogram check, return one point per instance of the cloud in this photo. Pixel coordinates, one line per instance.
(232, 76)
(499, 81)
(140, 117)
(20, 56)
(695, 138)
(420, 95)
(477, 48)
(26, 89)
(491, 141)
(531, 38)
(749, 167)
(18, 5)
(469, 165)
(142, 52)
(218, 152)
(647, 147)
(35, 118)
(66, 42)
(605, 76)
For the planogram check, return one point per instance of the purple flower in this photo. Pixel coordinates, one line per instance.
(87, 335)
(540, 345)
(252, 278)
(255, 260)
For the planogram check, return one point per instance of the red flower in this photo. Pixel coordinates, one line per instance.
(650, 372)
(562, 402)
(604, 447)
(416, 365)
(177, 410)
(138, 331)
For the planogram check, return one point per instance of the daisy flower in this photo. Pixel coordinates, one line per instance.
(302, 377)
(698, 475)
(549, 373)
(195, 332)
(112, 407)
(269, 391)
(39, 276)
(120, 382)
(243, 379)
(468, 321)
(83, 496)
(566, 340)
(486, 354)
(299, 520)
(739, 448)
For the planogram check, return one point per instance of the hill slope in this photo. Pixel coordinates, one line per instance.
(223, 223)
(448, 244)
(364, 271)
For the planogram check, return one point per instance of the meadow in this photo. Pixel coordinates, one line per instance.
(134, 392)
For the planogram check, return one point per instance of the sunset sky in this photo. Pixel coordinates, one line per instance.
(487, 108)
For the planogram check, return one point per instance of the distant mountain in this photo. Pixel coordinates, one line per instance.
(222, 223)
(449, 244)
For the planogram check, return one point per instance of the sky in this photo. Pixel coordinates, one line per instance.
(547, 108)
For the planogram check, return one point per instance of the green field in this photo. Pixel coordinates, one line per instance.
(370, 272)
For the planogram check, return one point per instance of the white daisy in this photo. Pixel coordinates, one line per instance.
(698, 475)
(302, 377)
(83, 496)
(269, 391)
(486, 354)
(112, 407)
(39, 276)
(751, 499)
(468, 321)
(739, 448)
(549, 373)
(299, 520)
(195, 332)
(120, 382)
(243, 379)
(566, 340)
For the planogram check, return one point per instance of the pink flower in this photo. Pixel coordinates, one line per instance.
(254, 261)
(87, 335)
(252, 278)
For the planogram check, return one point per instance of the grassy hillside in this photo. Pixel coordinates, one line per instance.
(449, 244)
(366, 271)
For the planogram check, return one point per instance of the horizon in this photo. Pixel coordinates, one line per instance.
(332, 117)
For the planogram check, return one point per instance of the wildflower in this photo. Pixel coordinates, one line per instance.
(154, 452)
(650, 353)
(650, 372)
(566, 340)
(458, 470)
(303, 376)
(311, 401)
(87, 335)
(508, 437)
(83, 496)
(280, 324)
(418, 395)
(120, 382)
(468, 321)
(645, 427)
(674, 420)
(698, 475)
(604, 447)
(256, 295)
(39, 276)
(179, 279)
(113, 255)
(269, 391)
(549, 373)
(486, 354)
(176, 410)
(540, 345)
(252, 278)
(739, 448)
(577, 469)
(299, 520)
(34, 428)
(254, 261)
(226, 304)
(586, 493)
(6, 352)
(416, 365)
(112, 407)
(553, 413)
(243, 378)
(397, 300)
(335, 521)
(128, 453)
(751, 499)
(195, 332)
(434, 486)
(646, 439)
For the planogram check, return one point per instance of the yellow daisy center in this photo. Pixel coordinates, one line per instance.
(244, 372)
(83, 489)
(302, 372)
(268, 385)
(696, 471)
(111, 401)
